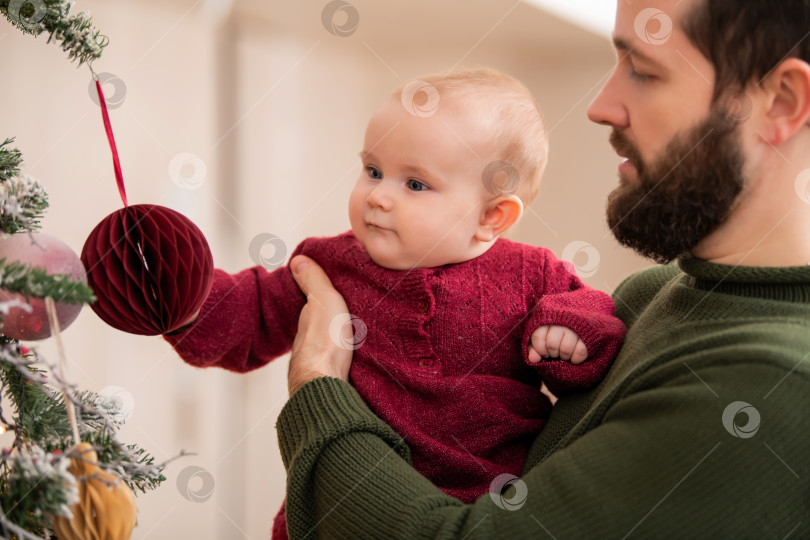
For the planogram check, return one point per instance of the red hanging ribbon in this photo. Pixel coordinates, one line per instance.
(119, 177)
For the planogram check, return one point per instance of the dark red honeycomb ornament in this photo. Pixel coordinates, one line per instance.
(150, 268)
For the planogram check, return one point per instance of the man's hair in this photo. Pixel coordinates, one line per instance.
(519, 134)
(746, 39)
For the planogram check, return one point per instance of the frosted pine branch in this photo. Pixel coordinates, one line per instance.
(76, 33)
(10, 159)
(33, 466)
(16, 277)
(23, 201)
(98, 427)
(15, 529)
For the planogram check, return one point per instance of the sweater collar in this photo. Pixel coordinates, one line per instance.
(787, 283)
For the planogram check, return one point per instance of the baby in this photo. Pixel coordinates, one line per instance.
(456, 319)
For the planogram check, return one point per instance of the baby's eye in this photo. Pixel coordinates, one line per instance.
(416, 185)
(374, 173)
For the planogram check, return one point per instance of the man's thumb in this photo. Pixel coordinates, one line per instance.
(298, 263)
(307, 274)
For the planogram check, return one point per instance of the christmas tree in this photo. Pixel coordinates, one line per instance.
(65, 463)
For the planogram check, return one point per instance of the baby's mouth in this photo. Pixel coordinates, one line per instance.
(378, 227)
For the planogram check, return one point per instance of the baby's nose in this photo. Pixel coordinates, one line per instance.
(380, 197)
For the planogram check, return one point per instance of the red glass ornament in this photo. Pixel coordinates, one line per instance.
(150, 268)
(38, 250)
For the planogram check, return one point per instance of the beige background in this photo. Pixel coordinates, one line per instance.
(274, 108)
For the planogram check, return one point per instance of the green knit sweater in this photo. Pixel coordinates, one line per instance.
(700, 430)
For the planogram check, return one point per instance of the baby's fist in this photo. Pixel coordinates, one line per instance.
(557, 342)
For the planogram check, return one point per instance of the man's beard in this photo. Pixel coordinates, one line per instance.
(681, 197)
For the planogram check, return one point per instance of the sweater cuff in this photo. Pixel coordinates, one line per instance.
(195, 336)
(324, 409)
(201, 338)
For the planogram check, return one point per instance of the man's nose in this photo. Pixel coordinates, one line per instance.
(608, 108)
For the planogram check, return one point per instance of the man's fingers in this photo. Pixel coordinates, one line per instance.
(320, 347)
(311, 278)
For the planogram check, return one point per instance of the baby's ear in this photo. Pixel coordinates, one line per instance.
(498, 216)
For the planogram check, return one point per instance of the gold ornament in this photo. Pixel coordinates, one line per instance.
(106, 509)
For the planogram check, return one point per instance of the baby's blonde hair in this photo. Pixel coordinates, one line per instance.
(520, 137)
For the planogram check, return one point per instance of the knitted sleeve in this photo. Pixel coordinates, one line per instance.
(660, 464)
(558, 297)
(247, 320)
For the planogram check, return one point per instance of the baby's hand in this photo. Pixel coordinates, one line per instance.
(557, 341)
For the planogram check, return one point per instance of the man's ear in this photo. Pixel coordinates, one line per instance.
(787, 90)
(498, 216)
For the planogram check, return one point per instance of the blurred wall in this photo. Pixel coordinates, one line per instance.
(247, 116)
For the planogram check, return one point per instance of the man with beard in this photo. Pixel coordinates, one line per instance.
(701, 428)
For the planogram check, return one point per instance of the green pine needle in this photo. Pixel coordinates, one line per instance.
(10, 159)
(38, 418)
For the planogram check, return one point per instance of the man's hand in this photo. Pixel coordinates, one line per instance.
(557, 341)
(314, 353)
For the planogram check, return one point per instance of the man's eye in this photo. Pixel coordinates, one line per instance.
(374, 173)
(640, 77)
(416, 185)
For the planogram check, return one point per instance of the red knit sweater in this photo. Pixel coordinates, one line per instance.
(444, 361)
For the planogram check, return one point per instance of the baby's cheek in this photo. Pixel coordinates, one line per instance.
(421, 229)
(429, 219)
(356, 212)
